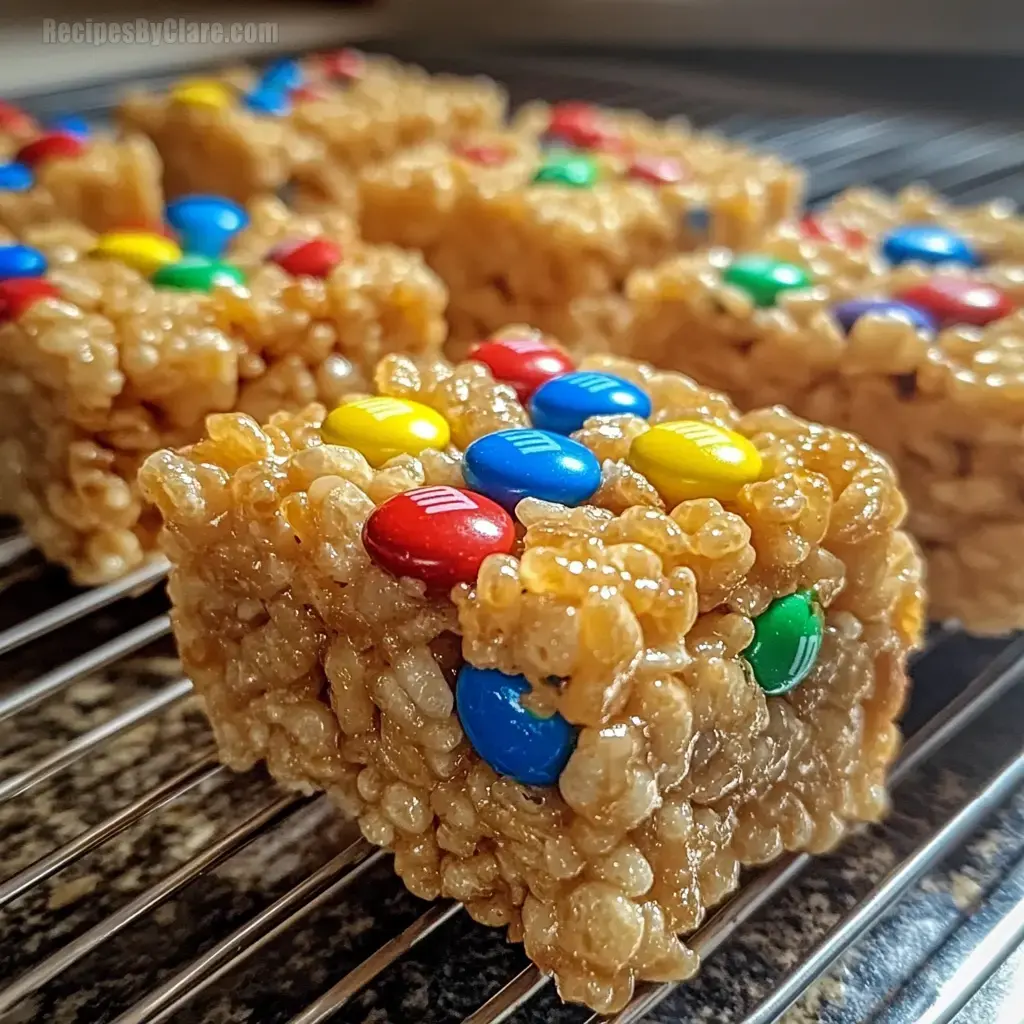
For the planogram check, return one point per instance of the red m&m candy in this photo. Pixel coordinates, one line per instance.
(481, 153)
(439, 535)
(14, 120)
(344, 64)
(658, 170)
(307, 94)
(581, 125)
(525, 362)
(18, 293)
(313, 257)
(958, 300)
(829, 231)
(51, 146)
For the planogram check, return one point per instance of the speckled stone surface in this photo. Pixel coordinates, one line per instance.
(889, 976)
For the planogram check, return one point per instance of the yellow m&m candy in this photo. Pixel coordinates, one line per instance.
(202, 92)
(381, 428)
(141, 251)
(691, 459)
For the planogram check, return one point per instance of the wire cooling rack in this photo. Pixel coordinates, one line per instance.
(143, 882)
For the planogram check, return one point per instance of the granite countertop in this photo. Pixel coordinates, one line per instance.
(885, 978)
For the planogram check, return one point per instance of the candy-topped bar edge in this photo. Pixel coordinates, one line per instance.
(543, 222)
(129, 339)
(305, 126)
(710, 682)
(905, 333)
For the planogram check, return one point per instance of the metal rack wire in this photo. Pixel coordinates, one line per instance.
(338, 874)
(838, 150)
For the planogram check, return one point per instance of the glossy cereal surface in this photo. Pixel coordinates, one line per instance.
(945, 406)
(499, 219)
(116, 368)
(627, 616)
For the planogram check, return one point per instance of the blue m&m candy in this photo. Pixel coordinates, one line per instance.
(72, 124)
(268, 99)
(511, 739)
(510, 465)
(21, 261)
(282, 74)
(564, 403)
(206, 224)
(927, 243)
(15, 177)
(848, 313)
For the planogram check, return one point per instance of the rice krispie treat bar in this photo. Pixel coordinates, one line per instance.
(66, 173)
(526, 226)
(918, 355)
(117, 345)
(919, 225)
(306, 125)
(577, 661)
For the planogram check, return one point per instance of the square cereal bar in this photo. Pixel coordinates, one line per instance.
(575, 682)
(123, 345)
(305, 125)
(922, 360)
(99, 180)
(521, 230)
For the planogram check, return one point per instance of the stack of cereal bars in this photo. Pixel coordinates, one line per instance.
(552, 491)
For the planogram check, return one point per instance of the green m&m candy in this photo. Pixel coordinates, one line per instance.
(197, 274)
(787, 641)
(576, 170)
(763, 277)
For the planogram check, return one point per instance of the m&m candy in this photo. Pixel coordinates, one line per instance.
(580, 125)
(481, 153)
(51, 146)
(14, 120)
(143, 251)
(697, 219)
(764, 278)
(15, 177)
(197, 274)
(927, 243)
(345, 65)
(957, 300)
(564, 403)
(510, 465)
(307, 94)
(525, 362)
(658, 170)
(72, 124)
(381, 428)
(829, 231)
(439, 535)
(283, 73)
(18, 293)
(205, 92)
(787, 641)
(310, 257)
(574, 170)
(848, 313)
(508, 736)
(268, 100)
(692, 459)
(21, 261)
(206, 223)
